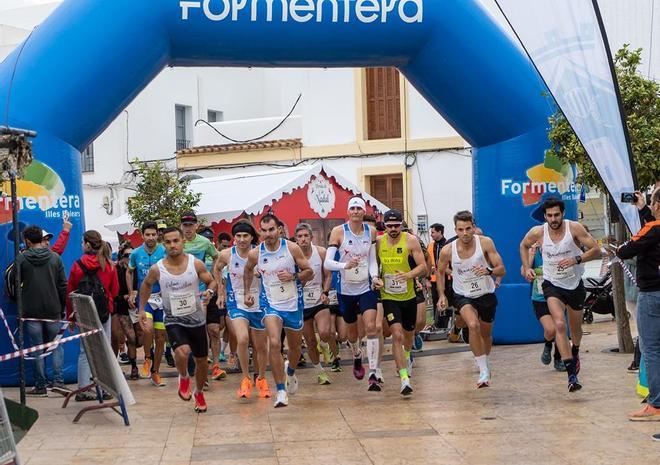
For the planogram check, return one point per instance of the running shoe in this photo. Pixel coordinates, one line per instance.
(633, 367)
(264, 390)
(374, 385)
(573, 383)
(559, 365)
(323, 378)
(218, 373)
(418, 343)
(184, 389)
(246, 389)
(85, 396)
(169, 359)
(291, 380)
(232, 364)
(282, 399)
(302, 362)
(327, 355)
(39, 392)
(336, 365)
(656, 437)
(135, 374)
(358, 369)
(546, 356)
(647, 413)
(122, 358)
(406, 388)
(454, 335)
(410, 364)
(145, 371)
(200, 402)
(222, 358)
(484, 380)
(379, 376)
(156, 380)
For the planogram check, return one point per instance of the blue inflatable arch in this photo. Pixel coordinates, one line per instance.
(90, 58)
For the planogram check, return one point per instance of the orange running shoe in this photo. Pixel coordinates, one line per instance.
(145, 371)
(218, 373)
(200, 402)
(264, 390)
(184, 388)
(156, 380)
(246, 389)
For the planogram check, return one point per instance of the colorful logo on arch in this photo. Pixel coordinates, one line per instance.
(547, 178)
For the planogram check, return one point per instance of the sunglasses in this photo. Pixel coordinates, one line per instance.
(393, 225)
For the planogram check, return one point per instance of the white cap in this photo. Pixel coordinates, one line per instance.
(357, 202)
(45, 234)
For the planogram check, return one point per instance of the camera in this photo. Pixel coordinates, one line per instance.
(628, 197)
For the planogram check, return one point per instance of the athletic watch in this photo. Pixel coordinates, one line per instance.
(578, 259)
(490, 270)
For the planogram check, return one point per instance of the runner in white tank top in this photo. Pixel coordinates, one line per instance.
(246, 321)
(358, 268)
(562, 244)
(316, 302)
(179, 276)
(283, 269)
(475, 262)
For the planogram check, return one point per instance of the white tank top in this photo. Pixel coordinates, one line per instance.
(235, 288)
(464, 281)
(566, 278)
(278, 295)
(313, 289)
(356, 280)
(180, 293)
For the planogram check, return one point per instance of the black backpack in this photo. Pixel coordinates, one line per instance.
(91, 285)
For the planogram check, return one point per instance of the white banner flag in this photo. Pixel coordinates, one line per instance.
(565, 43)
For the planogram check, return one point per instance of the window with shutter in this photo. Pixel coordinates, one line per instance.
(388, 188)
(383, 103)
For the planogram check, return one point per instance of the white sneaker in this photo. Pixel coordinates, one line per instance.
(484, 380)
(410, 366)
(406, 388)
(282, 399)
(291, 381)
(379, 376)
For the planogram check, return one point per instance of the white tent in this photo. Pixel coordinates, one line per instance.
(227, 197)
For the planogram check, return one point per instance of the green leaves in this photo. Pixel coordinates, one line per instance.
(641, 104)
(161, 195)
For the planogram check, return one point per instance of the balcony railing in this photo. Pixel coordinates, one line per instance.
(182, 144)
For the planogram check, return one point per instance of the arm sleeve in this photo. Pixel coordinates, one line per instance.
(330, 263)
(645, 239)
(373, 262)
(61, 242)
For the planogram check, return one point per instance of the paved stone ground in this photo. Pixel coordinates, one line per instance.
(526, 417)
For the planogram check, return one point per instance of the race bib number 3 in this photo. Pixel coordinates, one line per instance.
(392, 286)
(281, 292)
(183, 304)
(311, 295)
(358, 274)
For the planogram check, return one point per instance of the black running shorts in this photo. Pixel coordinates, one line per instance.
(194, 337)
(573, 298)
(485, 305)
(402, 312)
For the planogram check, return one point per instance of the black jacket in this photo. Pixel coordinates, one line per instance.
(43, 284)
(645, 245)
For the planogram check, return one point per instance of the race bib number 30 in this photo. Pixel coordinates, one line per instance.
(183, 304)
(282, 292)
(358, 274)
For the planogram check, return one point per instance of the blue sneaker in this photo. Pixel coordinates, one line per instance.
(222, 357)
(546, 356)
(573, 383)
(418, 343)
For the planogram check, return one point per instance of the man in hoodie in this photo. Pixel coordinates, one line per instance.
(43, 287)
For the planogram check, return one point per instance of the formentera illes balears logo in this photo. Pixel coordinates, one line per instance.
(551, 177)
(303, 11)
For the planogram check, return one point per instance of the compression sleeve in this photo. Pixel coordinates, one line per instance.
(330, 263)
(373, 262)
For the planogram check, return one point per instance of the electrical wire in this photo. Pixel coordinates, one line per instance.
(256, 138)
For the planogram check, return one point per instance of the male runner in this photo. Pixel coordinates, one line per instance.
(397, 290)
(475, 262)
(358, 265)
(140, 262)
(179, 275)
(283, 270)
(246, 321)
(316, 301)
(561, 241)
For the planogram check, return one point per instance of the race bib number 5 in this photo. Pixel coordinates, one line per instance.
(358, 274)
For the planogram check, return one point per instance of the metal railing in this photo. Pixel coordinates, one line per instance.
(182, 144)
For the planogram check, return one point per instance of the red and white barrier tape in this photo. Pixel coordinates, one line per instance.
(19, 353)
(625, 269)
(11, 335)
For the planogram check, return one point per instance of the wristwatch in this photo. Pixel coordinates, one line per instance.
(578, 259)
(211, 291)
(490, 270)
